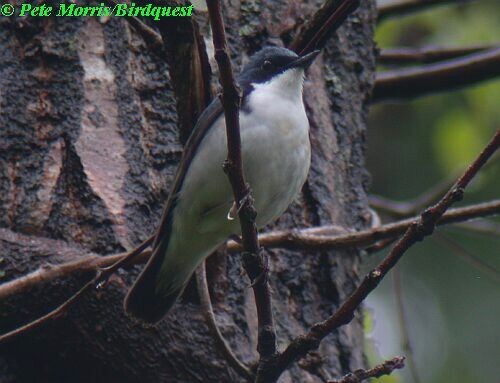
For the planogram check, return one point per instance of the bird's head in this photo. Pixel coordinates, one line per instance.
(275, 64)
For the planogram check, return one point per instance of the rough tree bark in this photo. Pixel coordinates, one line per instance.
(88, 149)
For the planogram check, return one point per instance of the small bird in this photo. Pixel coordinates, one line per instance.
(276, 156)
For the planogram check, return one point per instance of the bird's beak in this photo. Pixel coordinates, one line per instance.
(304, 61)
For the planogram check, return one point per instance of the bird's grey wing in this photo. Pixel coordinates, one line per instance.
(143, 301)
(206, 119)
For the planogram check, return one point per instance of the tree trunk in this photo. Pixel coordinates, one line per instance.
(88, 149)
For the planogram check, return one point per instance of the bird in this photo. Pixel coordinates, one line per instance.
(199, 213)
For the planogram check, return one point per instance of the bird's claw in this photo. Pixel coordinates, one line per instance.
(235, 209)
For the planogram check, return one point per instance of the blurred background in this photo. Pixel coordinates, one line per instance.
(441, 307)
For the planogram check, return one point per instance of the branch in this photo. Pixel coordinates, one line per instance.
(443, 76)
(385, 368)
(426, 55)
(152, 38)
(317, 238)
(95, 283)
(403, 7)
(208, 313)
(254, 261)
(419, 229)
(468, 257)
(484, 227)
(411, 207)
(311, 240)
(189, 69)
(314, 34)
(404, 209)
(403, 325)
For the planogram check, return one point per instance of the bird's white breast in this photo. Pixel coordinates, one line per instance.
(276, 158)
(275, 144)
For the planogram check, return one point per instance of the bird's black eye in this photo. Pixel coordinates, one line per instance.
(267, 65)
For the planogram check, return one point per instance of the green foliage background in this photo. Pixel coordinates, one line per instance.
(452, 307)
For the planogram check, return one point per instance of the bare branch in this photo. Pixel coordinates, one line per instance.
(152, 38)
(314, 34)
(385, 368)
(426, 55)
(208, 313)
(402, 7)
(403, 324)
(96, 282)
(253, 259)
(419, 229)
(189, 69)
(316, 238)
(468, 257)
(411, 207)
(404, 209)
(483, 227)
(307, 239)
(442, 76)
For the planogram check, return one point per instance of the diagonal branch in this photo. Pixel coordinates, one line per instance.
(311, 239)
(418, 230)
(406, 343)
(95, 283)
(404, 209)
(426, 55)
(189, 69)
(442, 76)
(253, 259)
(315, 238)
(413, 206)
(403, 7)
(314, 34)
(385, 368)
(208, 313)
(468, 257)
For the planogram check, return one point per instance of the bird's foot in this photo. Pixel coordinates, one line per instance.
(236, 208)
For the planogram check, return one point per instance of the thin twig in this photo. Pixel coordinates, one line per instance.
(316, 238)
(404, 209)
(427, 55)
(254, 260)
(468, 257)
(438, 77)
(208, 314)
(101, 277)
(189, 68)
(314, 34)
(152, 38)
(419, 229)
(414, 206)
(307, 239)
(483, 227)
(402, 7)
(403, 324)
(385, 368)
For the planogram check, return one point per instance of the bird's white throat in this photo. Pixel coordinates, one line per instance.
(287, 85)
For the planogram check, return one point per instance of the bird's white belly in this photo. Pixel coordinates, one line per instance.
(276, 159)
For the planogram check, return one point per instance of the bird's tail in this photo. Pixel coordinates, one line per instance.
(157, 288)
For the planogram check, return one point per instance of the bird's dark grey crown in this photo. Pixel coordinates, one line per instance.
(264, 65)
